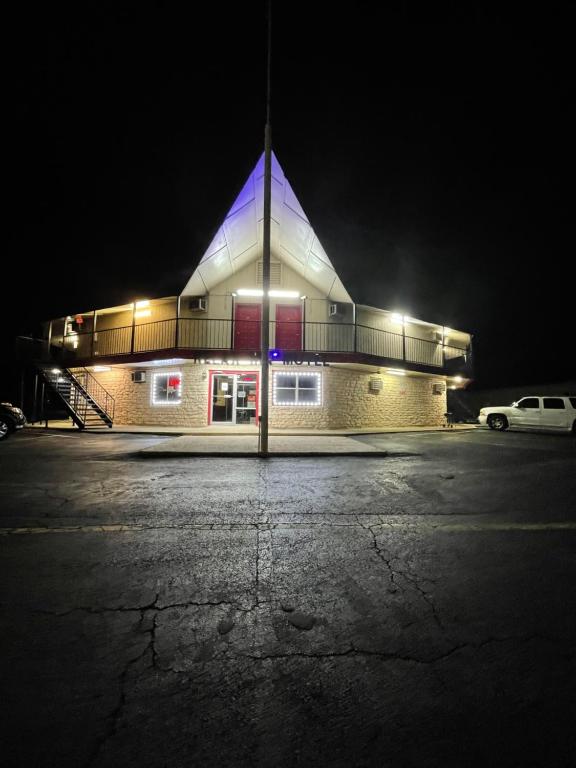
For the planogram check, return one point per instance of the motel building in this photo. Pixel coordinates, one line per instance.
(193, 360)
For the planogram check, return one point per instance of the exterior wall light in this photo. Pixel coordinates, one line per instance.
(250, 292)
(275, 294)
(143, 303)
(396, 372)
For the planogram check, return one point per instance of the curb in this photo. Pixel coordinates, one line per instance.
(255, 455)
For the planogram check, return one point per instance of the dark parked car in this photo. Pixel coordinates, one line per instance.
(11, 419)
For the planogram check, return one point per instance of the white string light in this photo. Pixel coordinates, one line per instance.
(297, 403)
(155, 385)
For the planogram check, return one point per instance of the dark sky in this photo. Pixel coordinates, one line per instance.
(431, 151)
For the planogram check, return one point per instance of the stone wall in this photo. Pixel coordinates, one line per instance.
(348, 402)
(134, 400)
(347, 399)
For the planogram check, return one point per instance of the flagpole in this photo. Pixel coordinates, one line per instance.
(265, 341)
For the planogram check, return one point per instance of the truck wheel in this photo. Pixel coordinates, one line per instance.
(498, 422)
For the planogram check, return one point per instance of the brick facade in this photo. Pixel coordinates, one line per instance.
(348, 401)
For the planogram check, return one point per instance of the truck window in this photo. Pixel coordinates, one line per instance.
(554, 403)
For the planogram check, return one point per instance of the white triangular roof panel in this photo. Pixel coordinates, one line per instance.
(292, 202)
(246, 196)
(217, 244)
(293, 240)
(241, 230)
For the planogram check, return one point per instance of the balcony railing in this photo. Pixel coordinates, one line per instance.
(212, 336)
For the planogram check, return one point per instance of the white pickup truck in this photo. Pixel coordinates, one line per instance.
(546, 412)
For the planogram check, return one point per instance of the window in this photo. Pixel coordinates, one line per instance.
(529, 402)
(167, 389)
(573, 401)
(297, 389)
(554, 403)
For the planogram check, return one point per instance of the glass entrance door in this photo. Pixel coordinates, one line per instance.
(223, 399)
(245, 398)
(234, 398)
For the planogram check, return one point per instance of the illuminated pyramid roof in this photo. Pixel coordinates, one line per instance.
(238, 242)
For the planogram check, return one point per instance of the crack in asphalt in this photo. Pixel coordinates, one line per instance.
(153, 606)
(394, 572)
(353, 651)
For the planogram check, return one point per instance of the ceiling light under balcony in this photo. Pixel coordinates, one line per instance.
(142, 303)
(284, 294)
(275, 294)
(250, 292)
(396, 372)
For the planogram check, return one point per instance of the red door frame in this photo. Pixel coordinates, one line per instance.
(222, 372)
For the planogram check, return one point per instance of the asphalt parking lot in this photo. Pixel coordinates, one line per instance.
(413, 610)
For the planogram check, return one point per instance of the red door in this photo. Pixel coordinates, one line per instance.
(288, 326)
(247, 327)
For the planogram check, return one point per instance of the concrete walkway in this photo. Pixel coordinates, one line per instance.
(247, 445)
(243, 430)
(242, 441)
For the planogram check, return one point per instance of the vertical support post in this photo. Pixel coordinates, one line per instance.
(133, 327)
(355, 328)
(43, 404)
(232, 310)
(22, 387)
(304, 323)
(265, 342)
(403, 339)
(265, 345)
(49, 340)
(36, 410)
(177, 331)
(94, 319)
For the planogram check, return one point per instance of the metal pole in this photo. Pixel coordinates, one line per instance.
(22, 387)
(304, 324)
(36, 411)
(133, 326)
(94, 316)
(232, 309)
(49, 341)
(403, 340)
(177, 334)
(265, 345)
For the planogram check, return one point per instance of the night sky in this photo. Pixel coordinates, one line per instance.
(431, 152)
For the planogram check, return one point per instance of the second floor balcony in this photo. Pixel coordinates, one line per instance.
(416, 345)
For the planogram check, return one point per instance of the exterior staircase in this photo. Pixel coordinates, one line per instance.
(84, 398)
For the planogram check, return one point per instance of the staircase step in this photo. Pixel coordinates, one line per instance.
(84, 409)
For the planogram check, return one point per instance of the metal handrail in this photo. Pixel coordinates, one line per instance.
(95, 391)
(218, 334)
